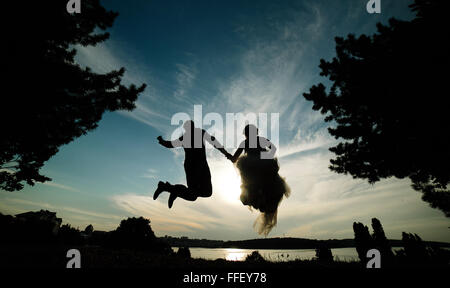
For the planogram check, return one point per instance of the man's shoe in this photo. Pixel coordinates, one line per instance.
(159, 190)
(172, 198)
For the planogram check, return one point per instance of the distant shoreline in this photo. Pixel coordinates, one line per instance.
(278, 243)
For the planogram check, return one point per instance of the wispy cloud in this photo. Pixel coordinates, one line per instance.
(148, 116)
(150, 173)
(114, 55)
(59, 186)
(185, 77)
(17, 205)
(307, 142)
(324, 204)
(181, 218)
(90, 213)
(271, 77)
(274, 72)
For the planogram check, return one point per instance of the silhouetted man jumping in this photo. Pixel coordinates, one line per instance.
(198, 175)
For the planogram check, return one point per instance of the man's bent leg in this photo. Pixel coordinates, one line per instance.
(181, 191)
(161, 188)
(204, 190)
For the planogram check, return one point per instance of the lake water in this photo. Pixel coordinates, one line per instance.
(232, 254)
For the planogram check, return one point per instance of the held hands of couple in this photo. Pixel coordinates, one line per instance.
(231, 157)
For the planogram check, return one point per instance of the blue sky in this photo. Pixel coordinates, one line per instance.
(229, 57)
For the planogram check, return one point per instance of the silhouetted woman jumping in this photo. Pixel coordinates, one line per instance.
(262, 187)
(198, 175)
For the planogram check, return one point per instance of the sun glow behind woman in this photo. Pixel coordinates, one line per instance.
(226, 181)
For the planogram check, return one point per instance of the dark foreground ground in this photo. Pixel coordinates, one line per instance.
(54, 256)
(157, 270)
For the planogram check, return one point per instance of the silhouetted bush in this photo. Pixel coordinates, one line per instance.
(323, 254)
(416, 253)
(70, 235)
(380, 241)
(184, 252)
(89, 229)
(364, 241)
(6, 227)
(137, 234)
(255, 257)
(133, 233)
(99, 238)
(30, 227)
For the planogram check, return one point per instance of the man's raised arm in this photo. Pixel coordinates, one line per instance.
(171, 144)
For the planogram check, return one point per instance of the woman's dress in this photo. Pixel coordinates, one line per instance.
(262, 187)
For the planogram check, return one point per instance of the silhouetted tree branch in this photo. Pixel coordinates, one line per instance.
(387, 102)
(51, 99)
